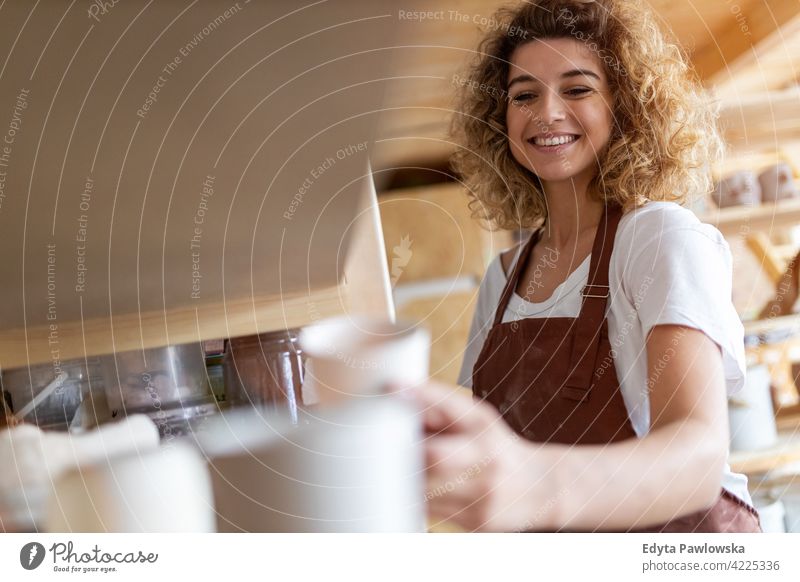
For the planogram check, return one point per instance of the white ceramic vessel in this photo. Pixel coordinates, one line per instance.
(353, 468)
(166, 489)
(750, 413)
(358, 357)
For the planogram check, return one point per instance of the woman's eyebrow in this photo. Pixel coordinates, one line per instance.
(522, 79)
(572, 73)
(580, 73)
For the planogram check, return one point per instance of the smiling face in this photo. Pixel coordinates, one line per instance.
(559, 117)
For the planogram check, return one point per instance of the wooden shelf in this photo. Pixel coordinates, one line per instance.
(788, 323)
(741, 220)
(234, 215)
(364, 289)
(786, 450)
(76, 339)
(757, 121)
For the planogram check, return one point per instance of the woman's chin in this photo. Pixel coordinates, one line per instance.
(558, 175)
(552, 178)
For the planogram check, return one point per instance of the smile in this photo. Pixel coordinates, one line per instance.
(553, 141)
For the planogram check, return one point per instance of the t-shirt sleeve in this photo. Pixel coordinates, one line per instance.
(482, 319)
(683, 276)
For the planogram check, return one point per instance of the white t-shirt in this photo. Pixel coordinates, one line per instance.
(666, 268)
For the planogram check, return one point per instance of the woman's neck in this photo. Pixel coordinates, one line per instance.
(571, 213)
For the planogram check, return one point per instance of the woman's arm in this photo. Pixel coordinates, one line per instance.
(482, 476)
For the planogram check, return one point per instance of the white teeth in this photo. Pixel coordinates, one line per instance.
(552, 141)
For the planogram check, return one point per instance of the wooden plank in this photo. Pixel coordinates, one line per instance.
(785, 451)
(416, 149)
(789, 323)
(430, 234)
(755, 160)
(761, 122)
(746, 25)
(741, 220)
(771, 64)
(760, 245)
(91, 337)
(364, 291)
(147, 181)
(789, 419)
(448, 318)
(695, 25)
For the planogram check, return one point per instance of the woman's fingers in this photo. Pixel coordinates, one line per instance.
(468, 512)
(452, 458)
(458, 478)
(451, 408)
(472, 459)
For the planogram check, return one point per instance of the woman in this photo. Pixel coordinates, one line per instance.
(607, 339)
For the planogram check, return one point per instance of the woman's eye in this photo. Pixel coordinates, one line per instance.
(578, 91)
(523, 97)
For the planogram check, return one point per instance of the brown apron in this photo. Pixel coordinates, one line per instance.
(553, 379)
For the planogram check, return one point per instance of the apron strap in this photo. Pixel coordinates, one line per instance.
(590, 321)
(513, 279)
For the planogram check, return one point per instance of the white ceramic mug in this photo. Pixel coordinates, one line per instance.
(357, 467)
(358, 357)
(163, 490)
(34, 460)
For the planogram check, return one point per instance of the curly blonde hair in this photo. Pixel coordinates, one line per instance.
(664, 139)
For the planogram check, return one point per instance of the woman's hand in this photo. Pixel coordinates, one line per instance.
(480, 473)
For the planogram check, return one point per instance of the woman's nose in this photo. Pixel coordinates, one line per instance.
(551, 108)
